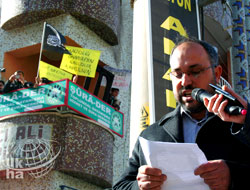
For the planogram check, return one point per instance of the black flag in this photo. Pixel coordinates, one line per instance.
(54, 40)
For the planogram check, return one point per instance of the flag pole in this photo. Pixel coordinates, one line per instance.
(41, 49)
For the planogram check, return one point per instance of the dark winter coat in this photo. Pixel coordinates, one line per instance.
(10, 86)
(214, 139)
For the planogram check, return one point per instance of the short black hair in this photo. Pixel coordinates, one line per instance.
(210, 49)
(19, 71)
(114, 89)
(1, 81)
(45, 80)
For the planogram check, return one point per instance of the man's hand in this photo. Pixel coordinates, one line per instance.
(150, 178)
(21, 80)
(216, 174)
(217, 106)
(12, 78)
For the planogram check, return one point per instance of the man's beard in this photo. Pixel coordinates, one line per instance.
(195, 108)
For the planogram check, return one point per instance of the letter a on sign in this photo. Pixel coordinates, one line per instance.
(174, 24)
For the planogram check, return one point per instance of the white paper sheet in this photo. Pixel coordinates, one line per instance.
(178, 161)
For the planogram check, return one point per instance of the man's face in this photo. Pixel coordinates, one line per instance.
(115, 93)
(19, 76)
(191, 68)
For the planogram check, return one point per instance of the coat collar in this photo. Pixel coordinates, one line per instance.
(172, 124)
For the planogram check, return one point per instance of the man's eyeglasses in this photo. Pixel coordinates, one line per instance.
(193, 73)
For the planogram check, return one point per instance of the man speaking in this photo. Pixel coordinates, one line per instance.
(194, 64)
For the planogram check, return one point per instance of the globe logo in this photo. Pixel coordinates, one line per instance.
(33, 156)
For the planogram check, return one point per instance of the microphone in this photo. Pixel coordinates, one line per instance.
(233, 107)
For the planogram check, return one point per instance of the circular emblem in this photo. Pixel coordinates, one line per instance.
(116, 122)
(54, 94)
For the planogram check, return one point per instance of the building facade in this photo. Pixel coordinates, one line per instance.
(99, 25)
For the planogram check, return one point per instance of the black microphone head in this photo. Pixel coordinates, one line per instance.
(196, 94)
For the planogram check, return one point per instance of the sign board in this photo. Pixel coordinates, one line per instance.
(33, 99)
(62, 93)
(14, 133)
(86, 104)
(122, 78)
(169, 19)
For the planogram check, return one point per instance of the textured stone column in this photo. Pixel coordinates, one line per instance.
(239, 64)
(102, 17)
(82, 150)
(247, 16)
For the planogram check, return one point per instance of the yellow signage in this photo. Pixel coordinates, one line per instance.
(144, 120)
(172, 23)
(52, 73)
(81, 62)
(167, 75)
(170, 99)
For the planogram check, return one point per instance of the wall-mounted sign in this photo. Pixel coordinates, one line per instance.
(33, 99)
(83, 102)
(27, 148)
(168, 19)
(62, 93)
(122, 78)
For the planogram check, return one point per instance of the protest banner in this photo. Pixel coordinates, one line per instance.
(53, 40)
(81, 62)
(122, 78)
(52, 73)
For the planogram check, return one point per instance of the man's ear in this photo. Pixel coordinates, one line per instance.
(218, 72)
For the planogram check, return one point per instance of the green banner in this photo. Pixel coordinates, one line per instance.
(33, 99)
(92, 107)
(54, 95)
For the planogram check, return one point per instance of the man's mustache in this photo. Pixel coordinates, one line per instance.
(189, 87)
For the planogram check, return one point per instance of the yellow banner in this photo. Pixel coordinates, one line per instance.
(81, 62)
(52, 73)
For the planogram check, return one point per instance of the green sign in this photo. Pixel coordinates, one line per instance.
(54, 95)
(92, 107)
(33, 99)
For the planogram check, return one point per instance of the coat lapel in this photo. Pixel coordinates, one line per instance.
(172, 124)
